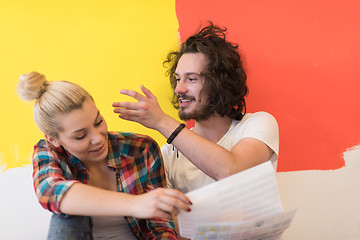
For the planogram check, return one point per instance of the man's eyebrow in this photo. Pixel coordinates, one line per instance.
(189, 73)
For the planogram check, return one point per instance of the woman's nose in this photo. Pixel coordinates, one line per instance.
(97, 137)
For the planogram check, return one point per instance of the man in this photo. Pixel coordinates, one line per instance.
(209, 83)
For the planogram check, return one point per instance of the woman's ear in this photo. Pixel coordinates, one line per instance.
(53, 140)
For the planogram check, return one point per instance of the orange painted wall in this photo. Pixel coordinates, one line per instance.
(302, 61)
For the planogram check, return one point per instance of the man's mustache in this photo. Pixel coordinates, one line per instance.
(185, 97)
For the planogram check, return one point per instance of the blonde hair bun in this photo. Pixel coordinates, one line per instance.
(31, 86)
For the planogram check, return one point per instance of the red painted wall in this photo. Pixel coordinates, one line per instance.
(303, 67)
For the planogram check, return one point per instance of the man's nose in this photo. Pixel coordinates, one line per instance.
(181, 87)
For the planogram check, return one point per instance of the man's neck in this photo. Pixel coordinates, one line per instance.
(213, 128)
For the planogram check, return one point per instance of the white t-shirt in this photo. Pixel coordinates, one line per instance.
(181, 174)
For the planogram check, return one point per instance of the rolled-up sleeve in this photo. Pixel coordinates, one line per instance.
(49, 180)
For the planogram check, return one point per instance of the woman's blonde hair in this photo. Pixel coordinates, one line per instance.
(52, 98)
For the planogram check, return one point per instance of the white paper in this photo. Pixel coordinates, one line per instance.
(247, 195)
(269, 228)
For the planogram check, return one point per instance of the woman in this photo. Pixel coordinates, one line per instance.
(81, 170)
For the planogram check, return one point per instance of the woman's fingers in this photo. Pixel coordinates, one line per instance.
(173, 200)
(179, 195)
(173, 205)
(161, 202)
(163, 214)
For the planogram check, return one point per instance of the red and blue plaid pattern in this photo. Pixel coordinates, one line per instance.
(137, 161)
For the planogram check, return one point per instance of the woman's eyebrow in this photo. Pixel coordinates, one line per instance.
(82, 129)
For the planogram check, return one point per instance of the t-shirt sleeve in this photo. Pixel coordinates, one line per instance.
(167, 165)
(263, 126)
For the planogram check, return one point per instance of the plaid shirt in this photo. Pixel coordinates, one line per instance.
(139, 168)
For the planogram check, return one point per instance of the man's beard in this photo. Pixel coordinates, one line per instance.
(199, 114)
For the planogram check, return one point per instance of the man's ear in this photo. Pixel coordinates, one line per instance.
(53, 140)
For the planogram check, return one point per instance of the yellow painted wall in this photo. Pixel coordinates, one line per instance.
(102, 45)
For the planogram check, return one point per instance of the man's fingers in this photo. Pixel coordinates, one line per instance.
(127, 105)
(132, 94)
(130, 118)
(116, 104)
(147, 92)
(129, 113)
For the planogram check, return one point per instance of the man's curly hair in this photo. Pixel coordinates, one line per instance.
(225, 77)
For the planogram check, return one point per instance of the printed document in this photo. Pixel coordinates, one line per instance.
(237, 206)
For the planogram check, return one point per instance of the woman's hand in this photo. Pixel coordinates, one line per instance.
(161, 202)
(145, 111)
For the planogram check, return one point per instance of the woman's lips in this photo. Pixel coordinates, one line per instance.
(98, 150)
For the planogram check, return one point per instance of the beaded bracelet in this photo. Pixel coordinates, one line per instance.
(175, 133)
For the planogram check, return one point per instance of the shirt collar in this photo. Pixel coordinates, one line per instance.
(114, 151)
